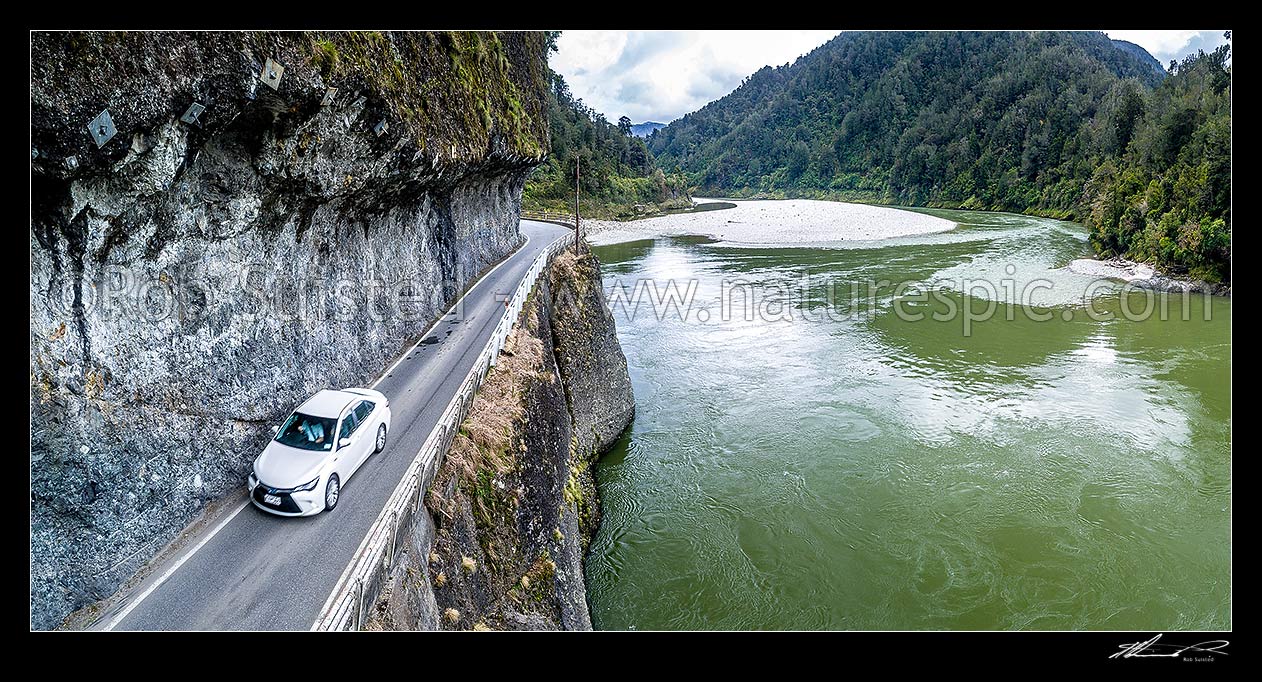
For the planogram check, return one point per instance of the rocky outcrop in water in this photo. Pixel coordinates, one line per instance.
(592, 365)
(233, 247)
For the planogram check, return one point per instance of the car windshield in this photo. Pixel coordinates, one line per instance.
(306, 432)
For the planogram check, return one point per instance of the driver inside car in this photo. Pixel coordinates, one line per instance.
(314, 432)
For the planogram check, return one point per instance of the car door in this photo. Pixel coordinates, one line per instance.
(366, 429)
(347, 457)
(363, 437)
(369, 418)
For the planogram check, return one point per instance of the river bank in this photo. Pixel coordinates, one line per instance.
(790, 221)
(1144, 276)
(806, 222)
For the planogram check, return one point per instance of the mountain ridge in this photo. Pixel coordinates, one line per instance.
(1139, 52)
(646, 128)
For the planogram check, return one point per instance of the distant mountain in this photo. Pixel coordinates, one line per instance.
(1003, 120)
(1142, 54)
(1062, 124)
(645, 129)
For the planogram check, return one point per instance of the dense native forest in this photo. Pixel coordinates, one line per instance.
(619, 178)
(1069, 125)
(1167, 198)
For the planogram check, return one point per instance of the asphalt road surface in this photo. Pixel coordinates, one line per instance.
(263, 572)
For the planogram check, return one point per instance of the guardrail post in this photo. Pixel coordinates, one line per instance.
(420, 489)
(359, 601)
(394, 538)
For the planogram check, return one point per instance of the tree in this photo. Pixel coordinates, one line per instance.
(618, 174)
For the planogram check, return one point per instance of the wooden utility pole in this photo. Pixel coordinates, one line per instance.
(577, 235)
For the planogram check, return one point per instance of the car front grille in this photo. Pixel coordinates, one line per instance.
(287, 503)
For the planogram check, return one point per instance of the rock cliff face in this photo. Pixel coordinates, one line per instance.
(192, 279)
(514, 507)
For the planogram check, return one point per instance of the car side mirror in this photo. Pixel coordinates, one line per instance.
(344, 442)
(275, 428)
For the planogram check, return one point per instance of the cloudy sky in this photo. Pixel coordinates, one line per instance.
(1167, 45)
(662, 75)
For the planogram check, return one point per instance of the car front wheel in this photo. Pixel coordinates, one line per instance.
(381, 439)
(332, 490)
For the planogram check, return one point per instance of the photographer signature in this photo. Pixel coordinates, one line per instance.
(1154, 649)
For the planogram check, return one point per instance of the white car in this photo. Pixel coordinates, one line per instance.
(317, 449)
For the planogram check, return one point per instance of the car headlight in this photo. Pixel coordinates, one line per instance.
(309, 485)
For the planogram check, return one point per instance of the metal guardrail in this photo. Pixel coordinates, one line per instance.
(549, 217)
(361, 582)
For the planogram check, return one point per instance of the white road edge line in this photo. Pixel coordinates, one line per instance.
(448, 311)
(171, 571)
(351, 564)
(175, 567)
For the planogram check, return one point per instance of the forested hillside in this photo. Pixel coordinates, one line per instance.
(618, 173)
(1014, 121)
(1167, 200)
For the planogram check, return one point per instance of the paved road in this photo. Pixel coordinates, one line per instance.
(264, 572)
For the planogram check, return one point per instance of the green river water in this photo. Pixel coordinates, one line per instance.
(867, 470)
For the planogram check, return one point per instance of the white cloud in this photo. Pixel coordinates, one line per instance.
(662, 75)
(1167, 45)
